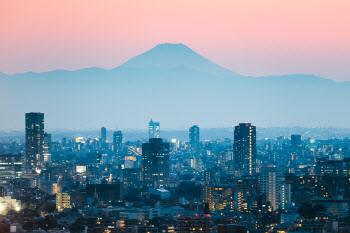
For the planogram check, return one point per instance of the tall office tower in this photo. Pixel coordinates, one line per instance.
(47, 147)
(273, 185)
(194, 139)
(295, 140)
(117, 140)
(34, 136)
(155, 163)
(245, 149)
(103, 134)
(154, 129)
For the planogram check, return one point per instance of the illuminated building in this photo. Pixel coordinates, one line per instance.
(245, 149)
(273, 185)
(117, 140)
(47, 147)
(334, 167)
(7, 203)
(196, 224)
(34, 136)
(209, 176)
(194, 139)
(130, 162)
(245, 194)
(155, 163)
(154, 129)
(62, 201)
(238, 200)
(10, 168)
(208, 196)
(131, 177)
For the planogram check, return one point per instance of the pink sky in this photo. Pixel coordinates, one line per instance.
(251, 37)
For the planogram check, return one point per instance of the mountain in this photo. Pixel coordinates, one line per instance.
(178, 87)
(170, 56)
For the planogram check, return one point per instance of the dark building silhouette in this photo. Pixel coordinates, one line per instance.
(154, 129)
(155, 163)
(231, 228)
(117, 140)
(245, 149)
(295, 140)
(194, 139)
(103, 134)
(105, 192)
(34, 137)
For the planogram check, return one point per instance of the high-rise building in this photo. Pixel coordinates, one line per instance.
(11, 167)
(34, 136)
(47, 147)
(208, 196)
(155, 163)
(117, 140)
(245, 149)
(154, 129)
(194, 139)
(273, 185)
(103, 134)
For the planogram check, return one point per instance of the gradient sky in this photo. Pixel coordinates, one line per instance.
(251, 37)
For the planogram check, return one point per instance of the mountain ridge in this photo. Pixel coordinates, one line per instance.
(130, 64)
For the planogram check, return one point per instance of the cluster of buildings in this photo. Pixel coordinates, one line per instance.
(109, 184)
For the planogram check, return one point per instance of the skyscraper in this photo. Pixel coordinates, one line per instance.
(155, 163)
(154, 129)
(103, 134)
(117, 140)
(245, 149)
(47, 147)
(34, 136)
(194, 139)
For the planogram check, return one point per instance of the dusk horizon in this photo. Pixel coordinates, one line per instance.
(187, 116)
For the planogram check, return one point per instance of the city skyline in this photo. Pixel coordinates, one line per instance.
(188, 116)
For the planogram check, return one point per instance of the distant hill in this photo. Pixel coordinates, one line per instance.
(178, 87)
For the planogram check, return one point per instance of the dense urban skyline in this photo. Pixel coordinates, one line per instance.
(188, 116)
